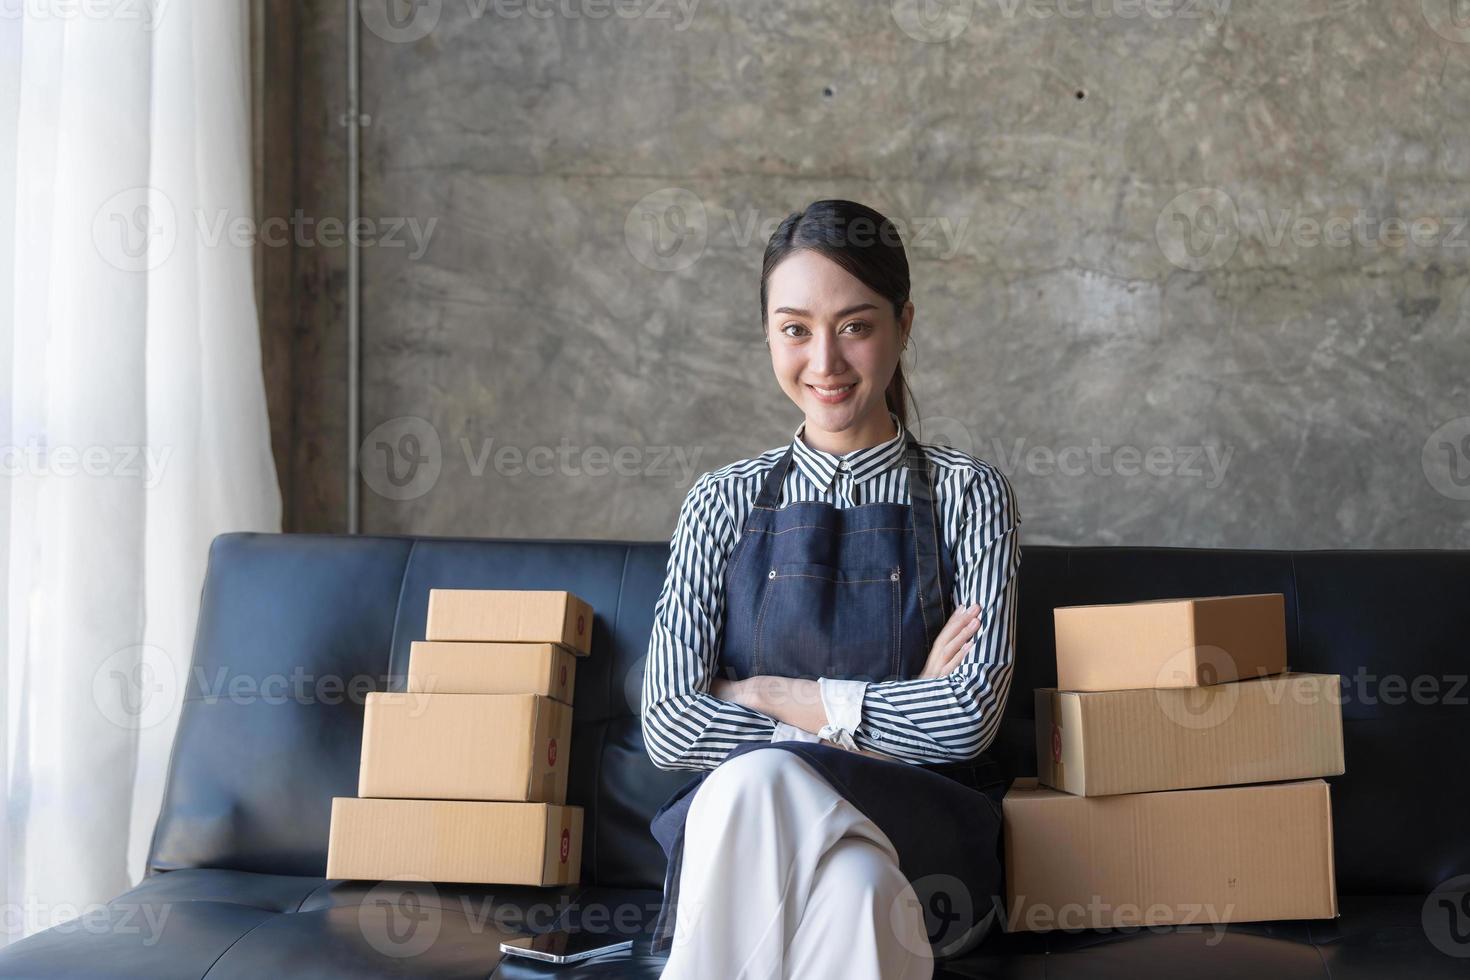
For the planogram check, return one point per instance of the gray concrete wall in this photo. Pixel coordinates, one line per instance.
(1191, 272)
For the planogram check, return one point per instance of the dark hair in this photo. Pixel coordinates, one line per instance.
(863, 242)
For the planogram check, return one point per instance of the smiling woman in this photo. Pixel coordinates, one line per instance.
(840, 319)
(848, 599)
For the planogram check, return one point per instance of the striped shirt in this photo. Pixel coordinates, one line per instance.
(929, 720)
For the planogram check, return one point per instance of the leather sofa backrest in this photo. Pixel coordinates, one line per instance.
(294, 629)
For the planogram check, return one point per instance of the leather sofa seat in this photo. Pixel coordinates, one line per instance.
(234, 887)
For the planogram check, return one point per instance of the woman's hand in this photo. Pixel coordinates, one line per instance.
(955, 640)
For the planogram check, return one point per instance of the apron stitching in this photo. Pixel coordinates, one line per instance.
(938, 564)
(921, 487)
(801, 527)
(777, 475)
(755, 657)
(823, 578)
(895, 617)
(720, 653)
(740, 550)
(919, 587)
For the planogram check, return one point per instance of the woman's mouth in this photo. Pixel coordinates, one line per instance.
(832, 396)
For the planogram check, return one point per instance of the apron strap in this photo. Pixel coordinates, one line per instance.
(933, 593)
(775, 480)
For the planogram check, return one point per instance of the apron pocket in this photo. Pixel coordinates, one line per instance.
(823, 621)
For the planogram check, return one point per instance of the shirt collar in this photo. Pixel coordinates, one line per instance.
(822, 467)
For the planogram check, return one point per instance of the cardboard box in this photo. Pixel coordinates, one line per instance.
(1170, 642)
(492, 668)
(1101, 743)
(455, 840)
(510, 616)
(465, 747)
(1231, 854)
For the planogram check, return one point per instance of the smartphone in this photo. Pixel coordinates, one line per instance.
(565, 946)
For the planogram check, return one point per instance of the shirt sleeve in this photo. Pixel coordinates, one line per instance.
(684, 726)
(954, 718)
(842, 700)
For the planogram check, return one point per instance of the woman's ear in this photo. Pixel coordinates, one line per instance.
(906, 322)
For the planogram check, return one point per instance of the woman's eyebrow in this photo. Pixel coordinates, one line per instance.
(840, 313)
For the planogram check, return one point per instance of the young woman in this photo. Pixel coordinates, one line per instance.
(849, 600)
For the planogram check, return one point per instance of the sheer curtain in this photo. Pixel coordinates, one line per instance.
(132, 421)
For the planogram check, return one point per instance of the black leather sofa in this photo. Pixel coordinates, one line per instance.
(235, 889)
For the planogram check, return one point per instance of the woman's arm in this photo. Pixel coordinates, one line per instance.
(795, 702)
(940, 719)
(685, 726)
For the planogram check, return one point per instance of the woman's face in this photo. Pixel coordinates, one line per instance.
(827, 330)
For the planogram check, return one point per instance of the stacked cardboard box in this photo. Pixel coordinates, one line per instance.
(463, 775)
(1179, 766)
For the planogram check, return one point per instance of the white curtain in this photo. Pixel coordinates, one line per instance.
(132, 422)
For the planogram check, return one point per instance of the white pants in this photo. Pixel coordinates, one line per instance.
(783, 877)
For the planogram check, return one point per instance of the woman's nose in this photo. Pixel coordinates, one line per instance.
(826, 356)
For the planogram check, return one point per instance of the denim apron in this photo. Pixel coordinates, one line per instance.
(859, 593)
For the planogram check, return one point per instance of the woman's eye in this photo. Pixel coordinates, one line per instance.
(858, 326)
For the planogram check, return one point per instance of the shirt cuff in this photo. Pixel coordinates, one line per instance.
(785, 732)
(843, 702)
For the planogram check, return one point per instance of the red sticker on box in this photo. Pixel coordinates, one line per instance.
(1056, 743)
(581, 624)
(566, 845)
(563, 681)
(551, 752)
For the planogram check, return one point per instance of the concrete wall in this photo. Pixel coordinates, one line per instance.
(1191, 272)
